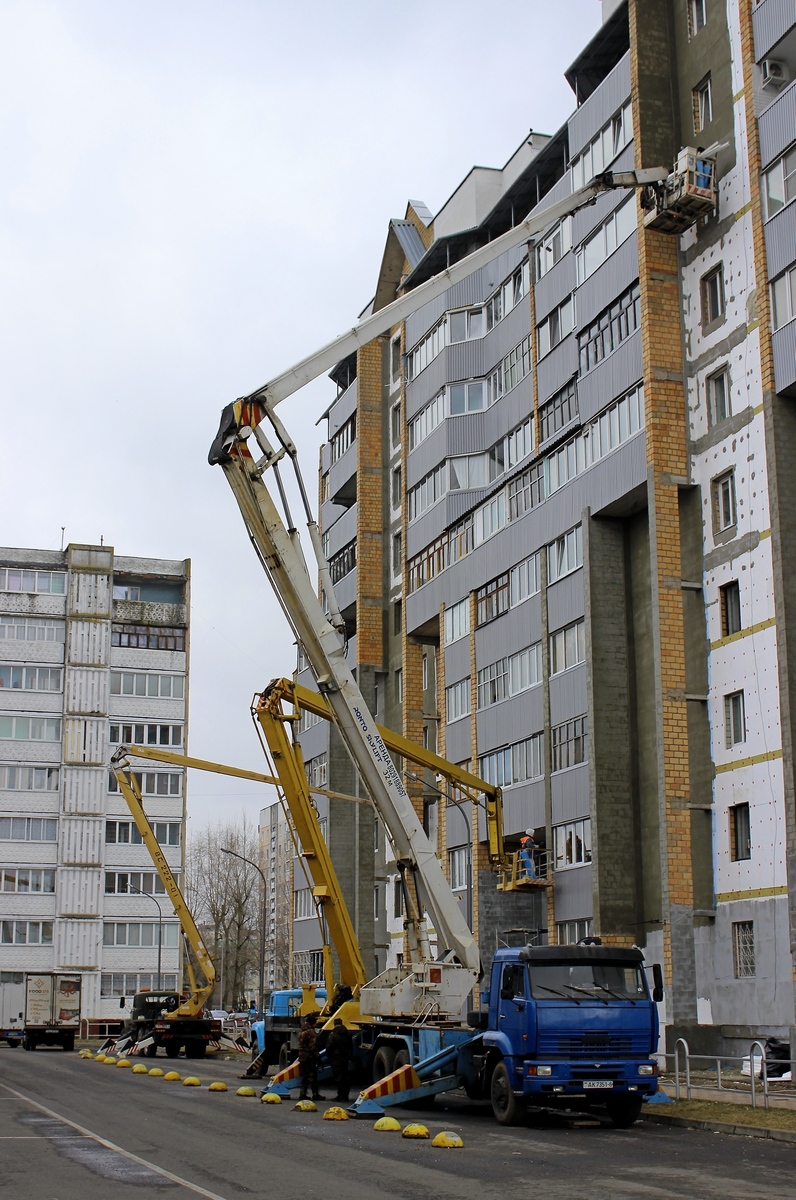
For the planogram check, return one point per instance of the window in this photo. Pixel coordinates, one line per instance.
(607, 331)
(147, 637)
(524, 580)
(16, 579)
(526, 491)
(557, 412)
(712, 291)
(457, 621)
(553, 247)
(31, 629)
(492, 600)
(28, 879)
(517, 363)
(426, 493)
(426, 350)
(734, 719)
(730, 606)
(740, 834)
(492, 683)
(307, 719)
(344, 438)
(490, 518)
(29, 779)
(604, 147)
(519, 443)
(783, 298)
(525, 669)
(123, 883)
(31, 729)
(126, 833)
(303, 904)
(468, 471)
(723, 491)
(743, 949)
(126, 591)
(146, 735)
(395, 426)
(565, 554)
(717, 387)
(317, 771)
(465, 324)
(395, 360)
(343, 561)
(571, 932)
(510, 292)
(556, 326)
(572, 844)
(26, 933)
(139, 933)
(128, 683)
(427, 420)
(425, 671)
(397, 554)
(619, 422)
(568, 743)
(567, 648)
(128, 984)
(153, 783)
(615, 230)
(696, 16)
(376, 903)
(459, 868)
(703, 105)
(397, 617)
(28, 829)
(399, 685)
(30, 679)
(779, 182)
(465, 397)
(457, 700)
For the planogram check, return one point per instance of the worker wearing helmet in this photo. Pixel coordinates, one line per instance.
(527, 847)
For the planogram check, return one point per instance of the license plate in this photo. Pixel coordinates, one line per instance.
(598, 1083)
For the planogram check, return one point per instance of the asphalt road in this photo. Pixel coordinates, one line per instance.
(78, 1130)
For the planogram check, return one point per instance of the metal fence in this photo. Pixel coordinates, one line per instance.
(750, 1078)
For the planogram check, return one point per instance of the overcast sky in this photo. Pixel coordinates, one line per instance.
(193, 196)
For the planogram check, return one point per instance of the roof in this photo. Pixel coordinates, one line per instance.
(410, 241)
(601, 55)
(576, 954)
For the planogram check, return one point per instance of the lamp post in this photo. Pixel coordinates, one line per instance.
(149, 896)
(249, 862)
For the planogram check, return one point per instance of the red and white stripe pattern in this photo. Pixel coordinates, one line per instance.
(401, 1080)
(289, 1073)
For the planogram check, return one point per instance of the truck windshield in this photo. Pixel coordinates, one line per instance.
(587, 980)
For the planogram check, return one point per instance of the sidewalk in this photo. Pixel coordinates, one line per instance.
(722, 1117)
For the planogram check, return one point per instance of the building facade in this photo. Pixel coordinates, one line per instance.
(93, 654)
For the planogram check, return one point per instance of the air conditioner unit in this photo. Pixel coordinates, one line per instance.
(775, 74)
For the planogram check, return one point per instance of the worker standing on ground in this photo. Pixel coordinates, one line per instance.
(308, 1058)
(339, 1052)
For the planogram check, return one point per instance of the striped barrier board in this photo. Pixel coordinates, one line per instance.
(402, 1080)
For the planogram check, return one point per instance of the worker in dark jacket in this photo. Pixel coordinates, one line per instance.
(339, 1052)
(308, 1057)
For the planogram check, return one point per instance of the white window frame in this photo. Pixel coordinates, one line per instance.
(783, 298)
(457, 621)
(553, 246)
(779, 182)
(734, 719)
(572, 844)
(608, 237)
(556, 326)
(565, 554)
(567, 647)
(457, 700)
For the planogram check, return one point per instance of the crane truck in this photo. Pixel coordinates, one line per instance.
(559, 1024)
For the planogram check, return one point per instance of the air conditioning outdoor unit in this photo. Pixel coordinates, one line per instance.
(775, 74)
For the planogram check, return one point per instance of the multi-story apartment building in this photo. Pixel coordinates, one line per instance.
(93, 653)
(276, 861)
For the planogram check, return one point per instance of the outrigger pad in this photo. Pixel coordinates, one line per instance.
(227, 429)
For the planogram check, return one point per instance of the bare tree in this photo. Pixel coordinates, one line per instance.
(224, 896)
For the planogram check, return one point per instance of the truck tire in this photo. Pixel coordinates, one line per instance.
(383, 1062)
(507, 1108)
(172, 1049)
(284, 1056)
(29, 1042)
(68, 1042)
(624, 1111)
(151, 1051)
(13, 1043)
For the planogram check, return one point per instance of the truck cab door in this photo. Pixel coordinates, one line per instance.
(512, 1005)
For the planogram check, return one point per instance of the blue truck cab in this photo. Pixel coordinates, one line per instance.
(275, 1037)
(571, 1026)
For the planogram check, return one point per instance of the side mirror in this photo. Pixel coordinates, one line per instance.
(657, 982)
(122, 1002)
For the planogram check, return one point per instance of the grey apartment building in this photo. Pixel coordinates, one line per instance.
(93, 653)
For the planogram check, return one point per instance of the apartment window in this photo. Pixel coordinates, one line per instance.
(428, 491)
(31, 880)
(126, 591)
(396, 488)
(139, 933)
(525, 669)
(457, 700)
(703, 105)
(325, 492)
(697, 15)
(557, 412)
(146, 735)
(492, 600)
(519, 444)
(307, 719)
(30, 679)
(568, 744)
(15, 579)
(608, 330)
(425, 672)
(490, 518)
(492, 683)
(712, 291)
(31, 729)
(457, 621)
(779, 182)
(427, 419)
(147, 637)
(615, 230)
(743, 949)
(510, 292)
(121, 984)
(783, 298)
(123, 833)
(376, 905)
(567, 647)
(603, 147)
(129, 683)
(459, 868)
(723, 492)
(465, 397)
(469, 471)
(317, 771)
(517, 362)
(526, 491)
(26, 933)
(717, 387)
(466, 324)
(569, 933)
(524, 580)
(553, 247)
(399, 685)
(303, 904)
(426, 350)
(123, 883)
(397, 617)
(152, 783)
(397, 553)
(730, 605)
(555, 327)
(395, 426)
(30, 629)
(343, 561)
(740, 833)
(28, 829)
(395, 359)
(734, 719)
(572, 844)
(29, 779)
(344, 438)
(565, 554)
(619, 422)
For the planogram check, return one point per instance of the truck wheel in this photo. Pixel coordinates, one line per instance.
(13, 1043)
(69, 1041)
(624, 1111)
(507, 1109)
(29, 1042)
(383, 1062)
(284, 1056)
(172, 1049)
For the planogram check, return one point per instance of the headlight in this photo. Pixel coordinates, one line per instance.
(533, 1069)
(646, 1068)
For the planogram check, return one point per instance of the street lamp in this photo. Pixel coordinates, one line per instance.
(149, 896)
(249, 862)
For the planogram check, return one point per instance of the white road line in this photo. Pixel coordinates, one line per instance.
(143, 1162)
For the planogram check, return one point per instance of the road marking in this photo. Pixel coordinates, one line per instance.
(143, 1162)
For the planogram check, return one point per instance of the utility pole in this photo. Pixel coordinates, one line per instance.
(235, 854)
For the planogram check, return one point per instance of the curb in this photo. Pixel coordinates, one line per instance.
(758, 1131)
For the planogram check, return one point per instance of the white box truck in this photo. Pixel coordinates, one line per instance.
(52, 1010)
(12, 1007)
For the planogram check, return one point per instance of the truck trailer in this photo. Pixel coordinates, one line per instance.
(52, 1010)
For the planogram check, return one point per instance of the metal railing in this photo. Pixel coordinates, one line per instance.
(516, 876)
(727, 1074)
